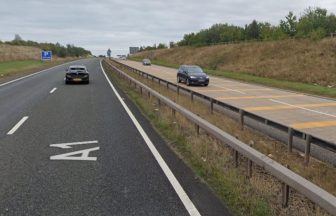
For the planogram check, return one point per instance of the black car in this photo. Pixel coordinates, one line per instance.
(77, 74)
(146, 62)
(192, 74)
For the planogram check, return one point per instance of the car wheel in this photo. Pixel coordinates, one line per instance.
(206, 84)
(178, 79)
(188, 83)
(66, 82)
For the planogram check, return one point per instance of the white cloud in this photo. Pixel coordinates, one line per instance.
(118, 24)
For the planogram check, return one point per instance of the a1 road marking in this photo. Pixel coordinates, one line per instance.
(76, 155)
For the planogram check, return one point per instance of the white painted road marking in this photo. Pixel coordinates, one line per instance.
(84, 154)
(53, 90)
(12, 131)
(228, 89)
(188, 204)
(315, 111)
(68, 145)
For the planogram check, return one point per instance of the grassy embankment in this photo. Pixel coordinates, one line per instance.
(12, 68)
(299, 65)
(20, 60)
(212, 161)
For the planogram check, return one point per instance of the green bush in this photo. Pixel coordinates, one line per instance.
(317, 34)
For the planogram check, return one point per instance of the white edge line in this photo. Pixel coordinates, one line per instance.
(53, 90)
(188, 204)
(17, 126)
(315, 111)
(33, 74)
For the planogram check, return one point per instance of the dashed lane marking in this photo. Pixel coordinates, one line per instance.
(53, 90)
(17, 126)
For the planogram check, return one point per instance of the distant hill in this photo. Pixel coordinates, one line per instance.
(301, 60)
(11, 53)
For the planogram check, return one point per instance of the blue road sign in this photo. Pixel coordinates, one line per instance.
(46, 55)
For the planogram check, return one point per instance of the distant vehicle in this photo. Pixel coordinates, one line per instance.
(146, 62)
(122, 57)
(77, 74)
(192, 74)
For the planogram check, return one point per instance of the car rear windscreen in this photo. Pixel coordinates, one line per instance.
(77, 69)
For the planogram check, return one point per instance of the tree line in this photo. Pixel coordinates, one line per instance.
(314, 23)
(57, 49)
(154, 47)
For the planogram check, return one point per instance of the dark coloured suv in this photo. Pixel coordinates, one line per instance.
(77, 74)
(192, 74)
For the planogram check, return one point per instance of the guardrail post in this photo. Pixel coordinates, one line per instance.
(167, 85)
(192, 96)
(211, 105)
(159, 81)
(178, 90)
(197, 128)
(159, 102)
(236, 157)
(241, 119)
(152, 78)
(173, 113)
(140, 90)
(307, 149)
(249, 167)
(149, 94)
(290, 140)
(285, 193)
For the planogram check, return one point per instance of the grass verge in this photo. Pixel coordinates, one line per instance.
(245, 77)
(11, 68)
(212, 161)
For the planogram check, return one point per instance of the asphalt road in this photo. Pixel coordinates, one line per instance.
(312, 115)
(114, 170)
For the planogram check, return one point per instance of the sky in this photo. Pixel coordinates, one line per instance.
(118, 24)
